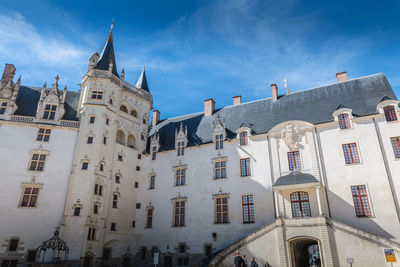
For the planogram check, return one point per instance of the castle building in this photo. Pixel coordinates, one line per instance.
(313, 173)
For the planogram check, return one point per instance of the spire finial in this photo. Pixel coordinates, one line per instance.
(286, 86)
(109, 38)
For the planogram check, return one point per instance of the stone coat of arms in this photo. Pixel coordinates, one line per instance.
(291, 136)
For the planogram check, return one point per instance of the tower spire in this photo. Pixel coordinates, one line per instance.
(107, 56)
(142, 81)
(109, 37)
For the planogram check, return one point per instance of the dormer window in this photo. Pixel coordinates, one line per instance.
(181, 148)
(344, 121)
(49, 112)
(3, 107)
(219, 141)
(243, 138)
(390, 113)
(97, 94)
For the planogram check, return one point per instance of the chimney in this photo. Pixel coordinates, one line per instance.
(274, 90)
(8, 74)
(341, 76)
(209, 106)
(155, 118)
(237, 100)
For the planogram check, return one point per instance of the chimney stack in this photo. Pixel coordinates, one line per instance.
(8, 74)
(155, 118)
(209, 106)
(237, 100)
(274, 90)
(341, 76)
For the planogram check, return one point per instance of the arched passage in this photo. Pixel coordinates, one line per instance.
(131, 141)
(303, 251)
(120, 137)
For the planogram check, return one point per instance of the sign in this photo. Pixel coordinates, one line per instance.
(156, 257)
(389, 255)
(350, 260)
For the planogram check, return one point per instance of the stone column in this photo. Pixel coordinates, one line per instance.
(278, 213)
(318, 200)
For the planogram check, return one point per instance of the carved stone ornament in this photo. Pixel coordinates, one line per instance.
(291, 136)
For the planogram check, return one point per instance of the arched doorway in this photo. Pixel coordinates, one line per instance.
(303, 251)
(167, 261)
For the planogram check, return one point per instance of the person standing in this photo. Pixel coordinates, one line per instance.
(238, 261)
(244, 260)
(253, 263)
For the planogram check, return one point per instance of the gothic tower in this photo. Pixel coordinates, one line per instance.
(100, 207)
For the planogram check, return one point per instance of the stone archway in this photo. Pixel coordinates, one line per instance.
(302, 250)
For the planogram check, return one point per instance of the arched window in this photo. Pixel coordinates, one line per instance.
(133, 113)
(131, 141)
(120, 137)
(123, 108)
(300, 205)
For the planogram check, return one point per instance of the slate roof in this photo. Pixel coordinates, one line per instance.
(142, 81)
(295, 177)
(28, 98)
(315, 105)
(107, 56)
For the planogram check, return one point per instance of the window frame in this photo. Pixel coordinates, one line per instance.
(219, 141)
(152, 182)
(349, 155)
(3, 107)
(43, 134)
(179, 212)
(249, 213)
(37, 164)
(395, 142)
(344, 121)
(149, 217)
(302, 207)
(97, 94)
(221, 170)
(221, 219)
(245, 167)
(49, 112)
(294, 160)
(243, 138)
(364, 205)
(180, 148)
(390, 113)
(180, 176)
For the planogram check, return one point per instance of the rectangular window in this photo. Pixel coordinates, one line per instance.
(138, 168)
(97, 94)
(138, 206)
(9, 263)
(181, 148)
(29, 197)
(31, 257)
(219, 141)
(136, 184)
(3, 107)
(117, 179)
(351, 153)
(179, 213)
(361, 203)
(344, 121)
(91, 234)
(390, 113)
(92, 118)
(37, 162)
(220, 169)
(105, 140)
(98, 189)
(245, 168)
(180, 177)
(90, 139)
(113, 227)
(13, 245)
(182, 248)
(294, 160)
(119, 157)
(152, 182)
(154, 153)
(95, 209)
(101, 167)
(207, 250)
(221, 210)
(85, 165)
(149, 221)
(133, 224)
(115, 202)
(43, 135)
(396, 146)
(243, 138)
(77, 211)
(248, 209)
(183, 261)
(49, 112)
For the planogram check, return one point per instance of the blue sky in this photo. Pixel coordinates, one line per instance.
(197, 49)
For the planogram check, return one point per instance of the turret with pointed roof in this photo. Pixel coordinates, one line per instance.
(142, 81)
(107, 56)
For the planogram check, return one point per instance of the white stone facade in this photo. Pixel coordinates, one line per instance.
(120, 189)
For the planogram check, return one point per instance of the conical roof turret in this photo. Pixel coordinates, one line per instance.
(107, 56)
(142, 81)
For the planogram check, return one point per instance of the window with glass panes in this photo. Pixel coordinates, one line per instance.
(29, 197)
(3, 107)
(49, 112)
(85, 165)
(154, 153)
(149, 218)
(43, 135)
(243, 138)
(221, 209)
(219, 141)
(179, 213)
(181, 148)
(220, 169)
(115, 202)
(360, 198)
(344, 121)
(294, 160)
(95, 209)
(248, 208)
(390, 113)
(152, 182)
(300, 205)
(77, 211)
(180, 177)
(90, 139)
(37, 162)
(245, 168)
(396, 146)
(98, 190)
(91, 234)
(117, 178)
(351, 153)
(97, 94)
